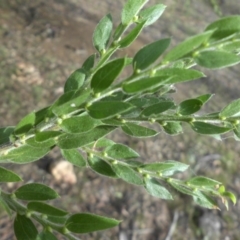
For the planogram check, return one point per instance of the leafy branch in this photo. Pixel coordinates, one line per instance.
(97, 101)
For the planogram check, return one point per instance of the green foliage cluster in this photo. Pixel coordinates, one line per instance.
(97, 101)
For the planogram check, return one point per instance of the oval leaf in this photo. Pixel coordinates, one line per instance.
(135, 130)
(126, 41)
(75, 80)
(101, 167)
(74, 156)
(143, 84)
(179, 75)
(120, 151)
(166, 168)
(25, 154)
(46, 135)
(102, 33)
(155, 189)
(208, 129)
(8, 176)
(150, 53)
(224, 27)
(70, 141)
(69, 102)
(131, 9)
(24, 228)
(79, 124)
(127, 174)
(189, 106)
(204, 182)
(158, 108)
(35, 192)
(89, 63)
(173, 128)
(216, 59)
(188, 46)
(45, 208)
(231, 110)
(85, 222)
(108, 109)
(25, 124)
(152, 14)
(105, 76)
(5, 134)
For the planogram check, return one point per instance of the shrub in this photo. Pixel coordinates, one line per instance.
(97, 101)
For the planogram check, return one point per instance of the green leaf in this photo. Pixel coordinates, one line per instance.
(35, 192)
(24, 228)
(113, 122)
(173, 128)
(178, 75)
(25, 154)
(131, 9)
(45, 235)
(4, 206)
(236, 131)
(57, 220)
(104, 110)
(74, 156)
(127, 174)
(79, 124)
(89, 63)
(155, 189)
(46, 144)
(70, 141)
(103, 143)
(157, 108)
(208, 129)
(105, 76)
(86, 222)
(135, 130)
(224, 27)
(25, 124)
(205, 97)
(204, 182)
(5, 134)
(8, 176)
(188, 46)
(42, 114)
(182, 188)
(75, 80)
(101, 167)
(151, 14)
(150, 53)
(45, 208)
(102, 33)
(233, 109)
(46, 135)
(138, 102)
(205, 201)
(216, 59)
(126, 41)
(189, 106)
(120, 151)
(230, 195)
(233, 46)
(70, 101)
(143, 84)
(166, 168)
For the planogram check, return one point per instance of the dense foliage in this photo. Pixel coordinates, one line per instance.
(97, 101)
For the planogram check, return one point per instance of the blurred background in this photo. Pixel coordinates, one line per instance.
(42, 42)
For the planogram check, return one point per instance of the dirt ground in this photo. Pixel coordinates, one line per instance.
(42, 42)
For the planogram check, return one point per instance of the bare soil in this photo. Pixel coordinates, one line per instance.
(42, 42)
